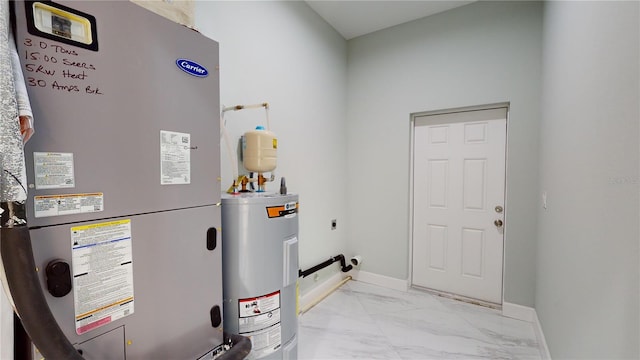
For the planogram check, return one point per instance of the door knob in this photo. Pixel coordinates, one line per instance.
(498, 223)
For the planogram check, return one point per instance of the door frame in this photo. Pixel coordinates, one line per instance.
(413, 117)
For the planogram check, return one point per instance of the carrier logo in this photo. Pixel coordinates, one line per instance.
(192, 68)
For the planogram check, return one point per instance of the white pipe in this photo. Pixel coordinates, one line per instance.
(231, 153)
(266, 111)
(324, 295)
(241, 107)
(225, 134)
(356, 260)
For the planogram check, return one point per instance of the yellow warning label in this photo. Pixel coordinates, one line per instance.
(102, 258)
(67, 204)
(275, 143)
(93, 226)
(123, 301)
(63, 196)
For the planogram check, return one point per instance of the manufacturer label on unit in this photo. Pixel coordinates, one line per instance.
(53, 170)
(102, 273)
(175, 158)
(259, 319)
(287, 210)
(192, 68)
(67, 204)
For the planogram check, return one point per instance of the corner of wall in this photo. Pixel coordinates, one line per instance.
(542, 341)
(528, 314)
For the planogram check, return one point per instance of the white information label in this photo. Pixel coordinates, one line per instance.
(67, 204)
(259, 322)
(53, 170)
(102, 273)
(259, 319)
(265, 342)
(175, 158)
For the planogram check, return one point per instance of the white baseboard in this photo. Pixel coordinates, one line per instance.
(380, 280)
(529, 314)
(519, 312)
(542, 342)
(311, 295)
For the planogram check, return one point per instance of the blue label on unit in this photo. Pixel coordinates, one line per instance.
(192, 67)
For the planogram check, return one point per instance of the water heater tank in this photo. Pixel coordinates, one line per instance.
(260, 271)
(259, 150)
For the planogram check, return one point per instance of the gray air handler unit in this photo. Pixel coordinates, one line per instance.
(260, 271)
(123, 172)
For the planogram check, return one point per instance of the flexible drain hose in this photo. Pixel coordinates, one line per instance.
(30, 303)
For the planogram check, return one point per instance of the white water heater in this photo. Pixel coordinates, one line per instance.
(260, 271)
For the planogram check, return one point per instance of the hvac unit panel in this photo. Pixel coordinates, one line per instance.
(123, 174)
(103, 111)
(176, 283)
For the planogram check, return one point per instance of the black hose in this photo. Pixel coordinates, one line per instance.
(322, 265)
(28, 297)
(240, 347)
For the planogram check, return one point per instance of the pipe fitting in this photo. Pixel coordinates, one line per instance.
(356, 260)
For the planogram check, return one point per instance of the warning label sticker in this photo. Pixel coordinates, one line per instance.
(53, 170)
(68, 204)
(259, 319)
(102, 273)
(259, 322)
(175, 158)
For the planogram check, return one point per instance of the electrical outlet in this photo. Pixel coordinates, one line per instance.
(334, 224)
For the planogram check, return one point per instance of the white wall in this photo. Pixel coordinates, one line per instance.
(588, 265)
(285, 54)
(486, 52)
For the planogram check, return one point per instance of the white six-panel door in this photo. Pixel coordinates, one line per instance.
(458, 203)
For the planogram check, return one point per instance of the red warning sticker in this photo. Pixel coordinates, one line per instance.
(259, 320)
(258, 305)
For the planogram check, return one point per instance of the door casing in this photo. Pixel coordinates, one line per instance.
(413, 117)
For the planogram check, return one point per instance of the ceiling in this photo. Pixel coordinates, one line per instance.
(353, 18)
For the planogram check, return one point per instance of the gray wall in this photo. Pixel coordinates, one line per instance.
(482, 53)
(587, 264)
(282, 52)
(486, 52)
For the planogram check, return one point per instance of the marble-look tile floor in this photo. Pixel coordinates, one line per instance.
(363, 321)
